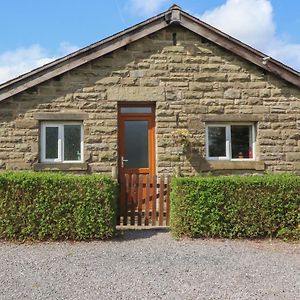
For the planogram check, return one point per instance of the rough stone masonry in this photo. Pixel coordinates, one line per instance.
(190, 83)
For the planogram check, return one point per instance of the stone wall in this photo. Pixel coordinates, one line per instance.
(188, 82)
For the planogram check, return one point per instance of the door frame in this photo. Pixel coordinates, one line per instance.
(122, 117)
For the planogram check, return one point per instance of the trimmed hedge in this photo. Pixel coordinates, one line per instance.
(41, 206)
(236, 206)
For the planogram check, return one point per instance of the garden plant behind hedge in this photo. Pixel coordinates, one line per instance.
(236, 206)
(55, 206)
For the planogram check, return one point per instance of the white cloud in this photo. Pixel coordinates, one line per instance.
(66, 48)
(16, 62)
(248, 20)
(286, 53)
(251, 21)
(146, 7)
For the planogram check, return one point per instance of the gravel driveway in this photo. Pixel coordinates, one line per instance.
(149, 264)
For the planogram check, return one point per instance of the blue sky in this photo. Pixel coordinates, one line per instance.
(34, 32)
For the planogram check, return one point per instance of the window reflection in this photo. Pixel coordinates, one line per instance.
(136, 144)
(217, 141)
(241, 140)
(135, 109)
(51, 143)
(72, 140)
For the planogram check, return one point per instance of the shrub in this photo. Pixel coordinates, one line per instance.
(236, 206)
(55, 206)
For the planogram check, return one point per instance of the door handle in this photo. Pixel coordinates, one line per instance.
(123, 160)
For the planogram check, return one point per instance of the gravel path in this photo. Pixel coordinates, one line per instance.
(149, 264)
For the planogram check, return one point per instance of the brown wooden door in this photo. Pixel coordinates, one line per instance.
(136, 146)
(136, 142)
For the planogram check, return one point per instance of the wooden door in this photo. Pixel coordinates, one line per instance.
(136, 140)
(136, 146)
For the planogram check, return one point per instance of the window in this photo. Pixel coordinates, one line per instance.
(61, 142)
(230, 141)
(136, 108)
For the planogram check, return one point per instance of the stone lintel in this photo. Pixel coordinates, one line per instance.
(61, 116)
(60, 167)
(231, 118)
(232, 165)
(120, 93)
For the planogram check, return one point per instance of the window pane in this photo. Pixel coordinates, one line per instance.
(72, 139)
(136, 144)
(51, 143)
(136, 109)
(241, 141)
(216, 141)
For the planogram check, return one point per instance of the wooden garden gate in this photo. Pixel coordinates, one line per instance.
(144, 200)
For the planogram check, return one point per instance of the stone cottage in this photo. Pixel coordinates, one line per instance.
(169, 95)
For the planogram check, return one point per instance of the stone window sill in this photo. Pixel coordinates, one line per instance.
(208, 165)
(60, 167)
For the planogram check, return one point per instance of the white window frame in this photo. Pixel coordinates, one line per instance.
(228, 141)
(60, 126)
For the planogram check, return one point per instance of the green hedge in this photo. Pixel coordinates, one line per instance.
(236, 206)
(55, 206)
